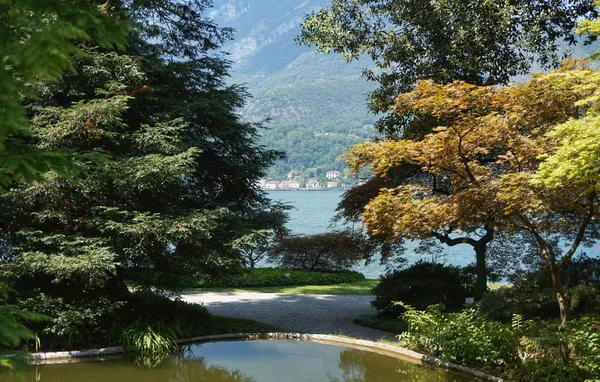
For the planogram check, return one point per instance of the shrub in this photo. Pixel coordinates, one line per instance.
(532, 295)
(546, 370)
(151, 343)
(264, 277)
(332, 251)
(421, 285)
(466, 338)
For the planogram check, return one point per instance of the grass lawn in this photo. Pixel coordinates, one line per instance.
(356, 288)
(392, 325)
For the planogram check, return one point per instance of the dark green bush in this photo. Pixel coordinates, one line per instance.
(331, 251)
(532, 295)
(421, 285)
(546, 370)
(265, 277)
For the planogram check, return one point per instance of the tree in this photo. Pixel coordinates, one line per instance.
(170, 171)
(255, 245)
(523, 159)
(480, 42)
(37, 39)
(322, 252)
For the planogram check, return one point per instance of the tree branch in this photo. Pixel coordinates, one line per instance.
(444, 238)
(581, 233)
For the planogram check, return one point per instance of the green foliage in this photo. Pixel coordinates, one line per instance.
(311, 148)
(542, 340)
(15, 333)
(466, 338)
(151, 344)
(531, 293)
(254, 244)
(322, 252)
(546, 371)
(37, 41)
(576, 158)
(584, 335)
(421, 285)
(479, 42)
(70, 323)
(266, 277)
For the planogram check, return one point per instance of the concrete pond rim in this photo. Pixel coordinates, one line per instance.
(377, 347)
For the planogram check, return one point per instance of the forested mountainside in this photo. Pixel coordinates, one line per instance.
(316, 104)
(290, 84)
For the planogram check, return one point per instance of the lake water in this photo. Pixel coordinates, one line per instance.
(253, 361)
(314, 210)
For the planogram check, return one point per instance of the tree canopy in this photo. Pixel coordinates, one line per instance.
(518, 159)
(37, 40)
(480, 42)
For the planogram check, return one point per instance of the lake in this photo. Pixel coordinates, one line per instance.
(313, 213)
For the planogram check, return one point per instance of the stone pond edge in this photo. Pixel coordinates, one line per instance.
(71, 356)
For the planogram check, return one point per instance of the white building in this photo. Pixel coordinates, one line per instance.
(313, 184)
(262, 183)
(333, 174)
(333, 184)
(272, 185)
(289, 185)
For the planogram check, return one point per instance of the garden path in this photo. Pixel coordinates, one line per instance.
(306, 313)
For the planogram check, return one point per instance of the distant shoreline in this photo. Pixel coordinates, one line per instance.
(307, 189)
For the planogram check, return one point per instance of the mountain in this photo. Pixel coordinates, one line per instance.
(291, 84)
(316, 104)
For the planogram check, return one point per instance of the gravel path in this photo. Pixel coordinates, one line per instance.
(308, 313)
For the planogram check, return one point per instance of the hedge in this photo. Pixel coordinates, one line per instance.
(265, 277)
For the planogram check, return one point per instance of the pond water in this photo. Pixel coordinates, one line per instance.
(253, 361)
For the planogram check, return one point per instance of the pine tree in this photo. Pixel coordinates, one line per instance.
(169, 172)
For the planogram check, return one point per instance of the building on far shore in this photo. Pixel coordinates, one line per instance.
(289, 185)
(332, 184)
(333, 174)
(362, 181)
(291, 174)
(272, 185)
(313, 184)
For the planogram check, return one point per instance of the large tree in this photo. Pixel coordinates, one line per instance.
(170, 170)
(479, 42)
(521, 159)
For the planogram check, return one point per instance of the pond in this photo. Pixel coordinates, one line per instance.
(252, 361)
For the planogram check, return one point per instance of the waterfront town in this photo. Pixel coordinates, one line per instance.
(332, 180)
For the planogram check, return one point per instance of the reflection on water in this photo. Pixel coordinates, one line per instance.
(362, 366)
(252, 361)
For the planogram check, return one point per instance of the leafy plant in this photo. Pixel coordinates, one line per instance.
(531, 293)
(13, 333)
(466, 338)
(151, 344)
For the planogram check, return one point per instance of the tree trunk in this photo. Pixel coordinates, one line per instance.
(481, 271)
(560, 298)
